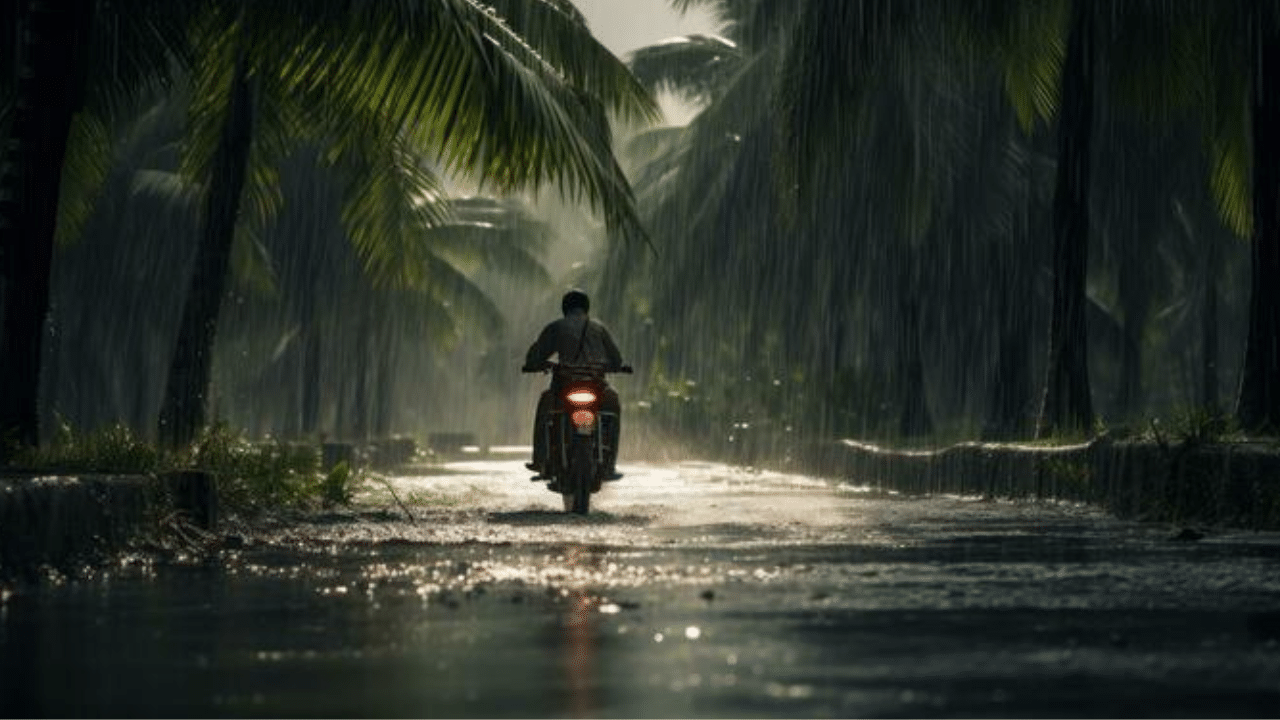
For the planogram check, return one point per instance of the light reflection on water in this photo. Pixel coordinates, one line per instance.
(581, 636)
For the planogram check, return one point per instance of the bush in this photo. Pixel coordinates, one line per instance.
(250, 476)
(110, 450)
(258, 476)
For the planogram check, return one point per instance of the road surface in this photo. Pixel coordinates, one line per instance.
(691, 590)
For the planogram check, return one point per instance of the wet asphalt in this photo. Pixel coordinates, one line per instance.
(691, 590)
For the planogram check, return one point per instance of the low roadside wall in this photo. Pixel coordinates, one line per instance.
(53, 520)
(1232, 484)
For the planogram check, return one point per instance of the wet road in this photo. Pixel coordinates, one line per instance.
(692, 590)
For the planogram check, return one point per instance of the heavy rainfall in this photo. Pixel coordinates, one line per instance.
(955, 330)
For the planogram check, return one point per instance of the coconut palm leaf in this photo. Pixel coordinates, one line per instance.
(84, 172)
(694, 67)
(558, 32)
(493, 236)
(462, 85)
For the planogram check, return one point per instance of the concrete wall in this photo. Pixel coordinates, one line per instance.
(1232, 484)
(61, 520)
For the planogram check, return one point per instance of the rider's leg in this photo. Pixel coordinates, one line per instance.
(540, 417)
(609, 402)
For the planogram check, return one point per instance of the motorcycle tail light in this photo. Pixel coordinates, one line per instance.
(581, 397)
(583, 418)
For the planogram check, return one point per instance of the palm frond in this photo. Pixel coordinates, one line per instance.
(1027, 41)
(166, 187)
(694, 67)
(836, 49)
(558, 32)
(140, 48)
(462, 85)
(1157, 51)
(391, 199)
(87, 164)
(1230, 180)
(493, 236)
(654, 141)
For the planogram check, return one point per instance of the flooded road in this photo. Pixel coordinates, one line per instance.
(691, 590)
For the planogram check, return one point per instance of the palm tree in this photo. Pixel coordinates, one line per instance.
(1258, 408)
(448, 76)
(52, 42)
(466, 132)
(1051, 56)
(804, 269)
(1068, 404)
(77, 64)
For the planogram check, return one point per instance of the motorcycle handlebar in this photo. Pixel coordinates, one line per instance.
(550, 366)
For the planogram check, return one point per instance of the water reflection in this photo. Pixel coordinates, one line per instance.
(581, 636)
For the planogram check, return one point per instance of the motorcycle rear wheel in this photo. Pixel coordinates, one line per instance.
(582, 470)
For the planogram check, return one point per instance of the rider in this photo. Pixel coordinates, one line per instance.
(576, 338)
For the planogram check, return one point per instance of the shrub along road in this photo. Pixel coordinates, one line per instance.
(691, 590)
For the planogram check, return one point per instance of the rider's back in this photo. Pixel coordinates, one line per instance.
(576, 339)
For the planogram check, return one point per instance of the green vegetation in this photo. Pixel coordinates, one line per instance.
(1197, 426)
(114, 449)
(251, 477)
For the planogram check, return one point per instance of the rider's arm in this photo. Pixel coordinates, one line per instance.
(542, 348)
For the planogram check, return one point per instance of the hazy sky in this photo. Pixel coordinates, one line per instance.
(624, 25)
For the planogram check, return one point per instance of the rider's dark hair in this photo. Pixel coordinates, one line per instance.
(575, 299)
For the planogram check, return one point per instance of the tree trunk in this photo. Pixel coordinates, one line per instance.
(49, 88)
(185, 405)
(310, 378)
(362, 378)
(1258, 407)
(1067, 404)
(1011, 413)
(1135, 303)
(915, 419)
(1209, 399)
(384, 387)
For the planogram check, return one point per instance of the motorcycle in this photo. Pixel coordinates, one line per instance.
(574, 432)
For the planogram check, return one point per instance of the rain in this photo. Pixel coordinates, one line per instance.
(954, 328)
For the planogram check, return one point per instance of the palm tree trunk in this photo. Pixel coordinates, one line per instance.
(914, 419)
(384, 387)
(1258, 407)
(49, 88)
(1067, 404)
(1135, 302)
(185, 405)
(361, 378)
(1010, 413)
(1209, 329)
(310, 378)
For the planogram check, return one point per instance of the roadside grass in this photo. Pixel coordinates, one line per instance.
(251, 476)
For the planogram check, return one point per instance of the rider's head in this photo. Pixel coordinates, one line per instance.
(574, 300)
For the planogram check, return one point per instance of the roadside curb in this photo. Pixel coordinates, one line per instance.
(1231, 484)
(58, 520)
